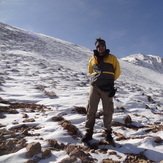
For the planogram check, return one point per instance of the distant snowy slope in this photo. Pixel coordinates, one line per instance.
(140, 75)
(15, 40)
(149, 61)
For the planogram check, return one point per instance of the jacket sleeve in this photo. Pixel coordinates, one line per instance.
(90, 69)
(116, 69)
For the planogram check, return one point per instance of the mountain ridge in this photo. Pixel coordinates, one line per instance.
(13, 38)
(149, 61)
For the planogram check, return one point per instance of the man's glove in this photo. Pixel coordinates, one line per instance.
(112, 92)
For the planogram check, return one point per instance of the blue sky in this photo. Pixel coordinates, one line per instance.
(128, 26)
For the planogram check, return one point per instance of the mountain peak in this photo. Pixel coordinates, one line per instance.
(148, 61)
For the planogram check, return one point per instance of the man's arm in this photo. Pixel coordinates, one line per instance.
(117, 69)
(90, 69)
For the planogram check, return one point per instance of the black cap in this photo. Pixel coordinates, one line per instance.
(100, 41)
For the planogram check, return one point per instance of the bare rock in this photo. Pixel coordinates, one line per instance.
(109, 161)
(46, 153)
(127, 119)
(57, 118)
(70, 148)
(33, 148)
(2, 116)
(72, 129)
(68, 160)
(12, 111)
(36, 160)
(1, 125)
(29, 120)
(26, 133)
(75, 152)
(24, 115)
(31, 161)
(9, 144)
(55, 145)
(79, 109)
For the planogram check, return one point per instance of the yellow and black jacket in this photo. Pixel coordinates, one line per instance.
(104, 71)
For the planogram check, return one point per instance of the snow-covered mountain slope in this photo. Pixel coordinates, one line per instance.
(43, 79)
(149, 61)
(141, 75)
(14, 40)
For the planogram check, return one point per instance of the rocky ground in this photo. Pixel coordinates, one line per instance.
(14, 139)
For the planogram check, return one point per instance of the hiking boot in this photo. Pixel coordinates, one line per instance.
(109, 138)
(87, 137)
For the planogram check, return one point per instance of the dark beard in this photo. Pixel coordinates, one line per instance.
(96, 53)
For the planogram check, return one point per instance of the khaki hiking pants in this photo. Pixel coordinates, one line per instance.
(94, 98)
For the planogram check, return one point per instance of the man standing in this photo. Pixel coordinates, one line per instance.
(104, 69)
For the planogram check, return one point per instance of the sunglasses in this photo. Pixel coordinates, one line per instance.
(102, 45)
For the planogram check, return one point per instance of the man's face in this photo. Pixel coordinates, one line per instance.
(101, 49)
